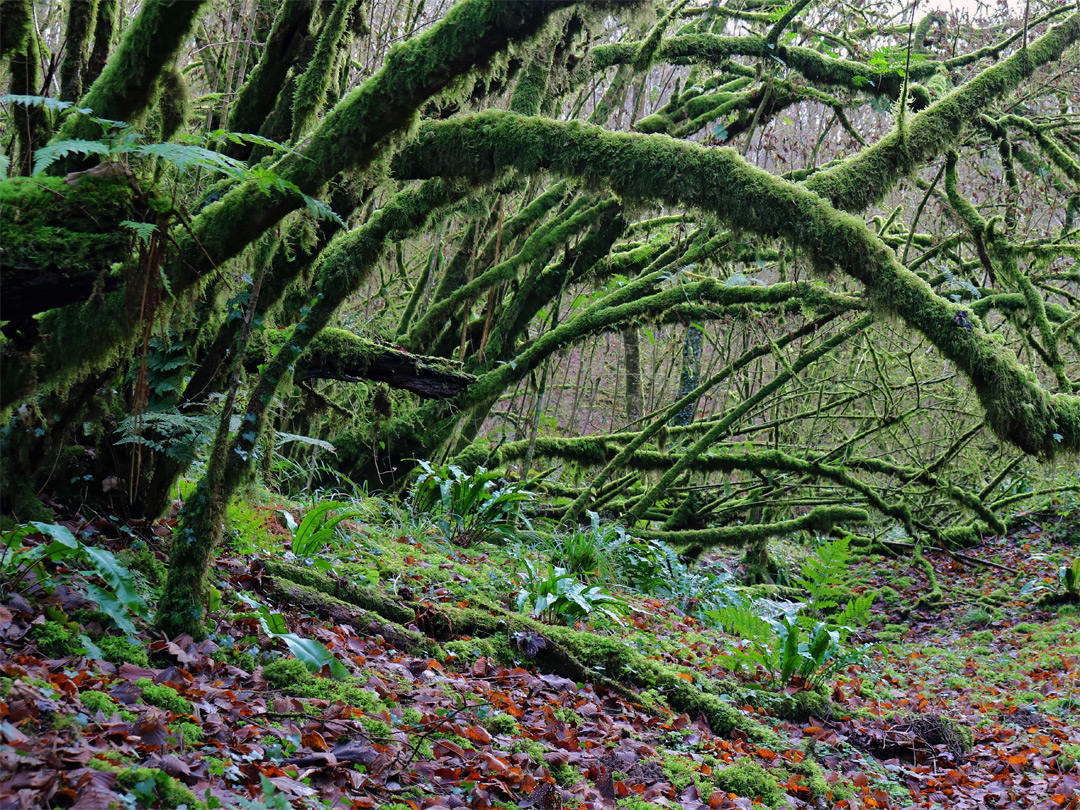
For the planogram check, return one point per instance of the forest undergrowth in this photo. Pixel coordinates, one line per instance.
(358, 658)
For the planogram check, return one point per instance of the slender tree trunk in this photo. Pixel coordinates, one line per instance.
(108, 12)
(632, 357)
(82, 15)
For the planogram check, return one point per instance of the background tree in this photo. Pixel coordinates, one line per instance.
(846, 236)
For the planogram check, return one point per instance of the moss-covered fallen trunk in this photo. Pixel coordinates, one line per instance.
(340, 612)
(336, 354)
(574, 654)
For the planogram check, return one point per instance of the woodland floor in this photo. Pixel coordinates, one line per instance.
(406, 731)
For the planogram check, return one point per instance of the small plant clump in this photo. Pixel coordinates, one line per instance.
(162, 696)
(121, 650)
(55, 640)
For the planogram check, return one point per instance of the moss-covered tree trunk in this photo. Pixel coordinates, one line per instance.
(82, 17)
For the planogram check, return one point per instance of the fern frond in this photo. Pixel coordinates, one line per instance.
(321, 210)
(222, 135)
(187, 156)
(143, 230)
(281, 439)
(826, 572)
(267, 180)
(53, 104)
(48, 155)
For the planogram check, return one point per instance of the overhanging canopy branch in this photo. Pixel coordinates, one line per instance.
(641, 167)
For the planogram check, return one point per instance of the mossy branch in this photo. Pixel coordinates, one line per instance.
(820, 519)
(264, 83)
(650, 168)
(314, 84)
(336, 354)
(865, 178)
(126, 86)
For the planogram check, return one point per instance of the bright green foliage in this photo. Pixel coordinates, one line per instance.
(826, 572)
(162, 696)
(55, 640)
(554, 595)
(286, 673)
(776, 640)
(154, 788)
(785, 644)
(594, 553)
(469, 508)
(121, 650)
(103, 702)
(1069, 577)
(317, 528)
(48, 225)
(311, 652)
(747, 778)
(119, 598)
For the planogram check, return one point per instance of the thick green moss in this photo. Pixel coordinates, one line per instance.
(352, 692)
(314, 84)
(126, 87)
(164, 697)
(264, 82)
(494, 648)
(80, 26)
(118, 650)
(155, 787)
(55, 640)
(18, 24)
(287, 674)
(747, 778)
(102, 702)
(49, 225)
(367, 598)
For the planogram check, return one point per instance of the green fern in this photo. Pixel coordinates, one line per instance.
(186, 156)
(51, 104)
(223, 136)
(144, 231)
(826, 573)
(48, 155)
(119, 143)
(176, 435)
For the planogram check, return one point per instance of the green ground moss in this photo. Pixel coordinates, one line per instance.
(164, 697)
(469, 650)
(140, 558)
(98, 702)
(55, 640)
(501, 723)
(293, 678)
(236, 657)
(192, 733)
(747, 778)
(118, 650)
(154, 787)
(287, 673)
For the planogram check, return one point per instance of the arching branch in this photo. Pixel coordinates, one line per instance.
(655, 168)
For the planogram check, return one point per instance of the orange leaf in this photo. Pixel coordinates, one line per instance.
(477, 734)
